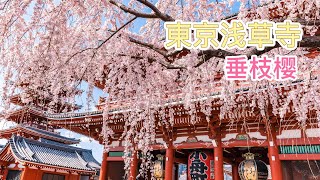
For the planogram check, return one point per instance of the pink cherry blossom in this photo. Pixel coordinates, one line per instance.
(48, 47)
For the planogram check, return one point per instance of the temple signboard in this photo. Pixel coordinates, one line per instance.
(201, 165)
(242, 137)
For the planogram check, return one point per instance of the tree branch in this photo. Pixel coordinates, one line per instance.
(102, 43)
(115, 32)
(307, 41)
(132, 11)
(162, 16)
(161, 52)
(151, 59)
(5, 4)
(309, 23)
(310, 41)
(166, 64)
(208, 54)
(150, 46)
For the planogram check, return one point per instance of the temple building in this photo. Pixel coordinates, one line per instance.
(255, 147)
(24, 158)
(35, 151)
(288, 152)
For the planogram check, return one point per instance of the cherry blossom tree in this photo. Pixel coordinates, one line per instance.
(49, 47)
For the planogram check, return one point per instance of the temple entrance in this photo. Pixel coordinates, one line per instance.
(246, 162)
(14, 175)
(190, 164)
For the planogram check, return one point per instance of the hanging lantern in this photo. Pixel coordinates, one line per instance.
(251, 169)
(201, 165)
(158, 168)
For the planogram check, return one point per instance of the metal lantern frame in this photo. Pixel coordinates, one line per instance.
(249, 168)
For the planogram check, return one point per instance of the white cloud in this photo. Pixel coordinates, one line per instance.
(3, 141)
(4, 124)
(67, 133)
(85, 139)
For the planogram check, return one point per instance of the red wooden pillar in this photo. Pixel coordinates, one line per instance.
(218, 159)
(5, 173)
(169, 162)
(25, 174)
(235, 172)
(273, 153)
(133, 166)
(104, 167)
(39, 174)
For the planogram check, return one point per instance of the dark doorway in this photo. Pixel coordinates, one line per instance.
(115, 170)
(47, 176)
(13, 175)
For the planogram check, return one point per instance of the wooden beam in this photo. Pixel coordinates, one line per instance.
(114, 159)
(181, 160)
(298, 141)
(296, 157)
(118, 148)
(234, 143)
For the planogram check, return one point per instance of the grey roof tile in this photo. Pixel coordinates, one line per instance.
(42, 133)
(52, 134)
(55, 154)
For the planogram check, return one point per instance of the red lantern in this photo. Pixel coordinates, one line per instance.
(201, 165)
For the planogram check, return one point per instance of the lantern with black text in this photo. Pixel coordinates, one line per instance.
(251, 169)
(200, 165)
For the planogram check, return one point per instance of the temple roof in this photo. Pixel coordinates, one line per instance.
(91, 123)
(42, 103)
(28, 114)
(36, 132)
(48, 153)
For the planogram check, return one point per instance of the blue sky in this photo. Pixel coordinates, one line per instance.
(87, 142)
